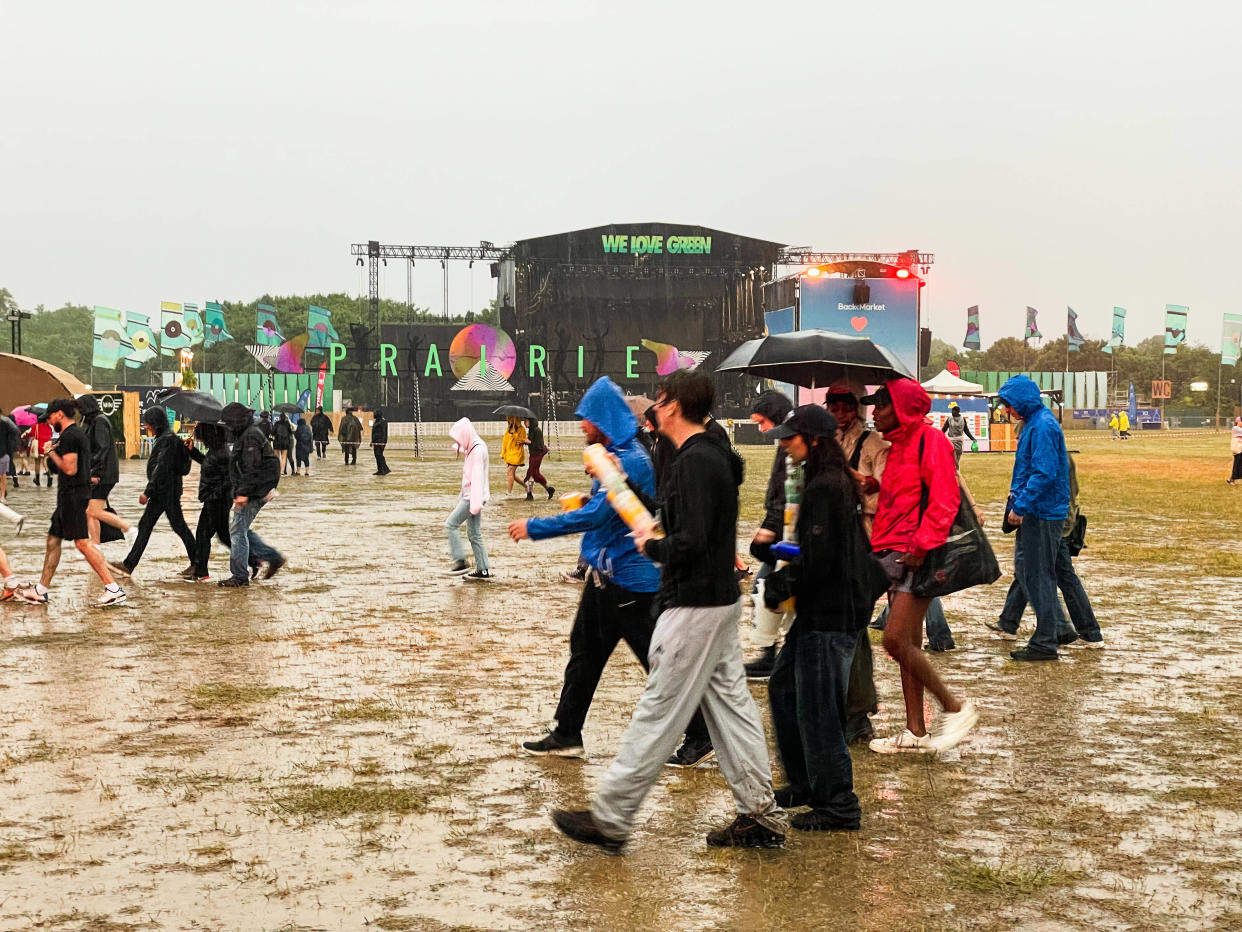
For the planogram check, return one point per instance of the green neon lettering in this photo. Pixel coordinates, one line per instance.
(537, 356)
(631, 362)
(336, 356)
(580, 360)
(388, 359)
(433, 359)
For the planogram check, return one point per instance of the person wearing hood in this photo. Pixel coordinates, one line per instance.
(919, 463)
(474, 495)
(105, 470)
(70, 454)
(538, 450)
(282, 441)
(302, 442)
(379, 440)
(512, 450)
(265, 423)
(10, 438)
(1039, 496)
(770, 410)
(616, 600)
(166, 466)
(215, 492)
(321, 429)
(957, 430)
(254, 472)
(349, 435)
(695, 655)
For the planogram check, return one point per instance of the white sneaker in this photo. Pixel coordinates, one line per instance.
(1081, 644)
(906, 742)
(130, 536)
(111, 598)
(950, 728)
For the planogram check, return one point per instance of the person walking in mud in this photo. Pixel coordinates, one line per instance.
(105, 471)
(167, 465)
(349, 436)
(215, 492)
(475, 492)
(1039, 503)
(695, 656)
(321, 430)
(254, 472)
(302, 444)
(282, 442)
(957, 430)
(1235, 447)
(513, 451)
(71, 457)
(10, 439)
(919, 463)
(538, 449)
(621, 583)
(379, 441)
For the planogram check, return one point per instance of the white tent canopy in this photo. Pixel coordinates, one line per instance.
(946, 383)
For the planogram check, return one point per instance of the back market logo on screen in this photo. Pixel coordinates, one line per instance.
(657, 245)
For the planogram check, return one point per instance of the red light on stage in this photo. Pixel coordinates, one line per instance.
(903, 273)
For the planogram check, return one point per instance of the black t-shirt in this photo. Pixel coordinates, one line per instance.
(73, 440)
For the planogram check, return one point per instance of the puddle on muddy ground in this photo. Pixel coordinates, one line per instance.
(337, 749)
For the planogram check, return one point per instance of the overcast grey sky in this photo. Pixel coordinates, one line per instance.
(1052, 153)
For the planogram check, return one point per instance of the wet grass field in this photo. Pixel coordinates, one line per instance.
(338, 748)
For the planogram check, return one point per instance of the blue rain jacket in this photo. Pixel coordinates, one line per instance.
(606, 541)
(1040, 485)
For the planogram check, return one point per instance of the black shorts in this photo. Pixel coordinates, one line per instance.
(69, 518)
(101, 490)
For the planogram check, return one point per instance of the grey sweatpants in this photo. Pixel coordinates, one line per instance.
(696, 661)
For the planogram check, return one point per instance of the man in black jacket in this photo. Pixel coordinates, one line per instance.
(321, 429)
(255, 473)
(695, 655)
(167, 465)
(105, 470)
(379, 440)
(10, 438)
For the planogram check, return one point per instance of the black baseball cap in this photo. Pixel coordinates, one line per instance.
(810, 420)
(880, 396)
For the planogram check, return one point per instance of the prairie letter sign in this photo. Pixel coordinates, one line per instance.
(656, 245)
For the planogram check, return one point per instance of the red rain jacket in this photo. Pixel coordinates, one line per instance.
(897, 524)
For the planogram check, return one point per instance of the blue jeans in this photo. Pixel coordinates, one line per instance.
(1081, 616)
(807, 692)
(938, 634)
(1035, 556)
(474, 530)
(243, 542)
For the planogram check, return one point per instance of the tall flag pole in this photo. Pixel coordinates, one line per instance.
(1032, 327)
(1118, 337)
(1073, 337)
(972, 328)
(1174, 327)
(1231, 339)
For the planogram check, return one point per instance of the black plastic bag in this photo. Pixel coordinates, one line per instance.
(964, 560)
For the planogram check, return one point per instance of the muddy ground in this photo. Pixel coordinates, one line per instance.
(338, 748)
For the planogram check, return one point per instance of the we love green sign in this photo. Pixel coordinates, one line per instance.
(655, 244)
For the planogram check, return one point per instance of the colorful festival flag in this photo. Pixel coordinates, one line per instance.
(214, 332)
(972, 328)
(319, 326)
(1072, 335)
(1032, 328)
(111, 342)
(141, 338)
(172, 334)
(1174, 327)
(192, 323)
(1119, 330)
(1231, 339)
(266, 328)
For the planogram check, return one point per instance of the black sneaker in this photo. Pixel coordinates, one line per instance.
(530, 496)
(745, 832)
(1065, 640)
(1027, 653)
(551, 492)
(478, 576)
(819, 821)
(1003, 633)
(274, 567)
(761, 669)
(187, 573)
(457, 569)
(942, 648)
(786, 798)
(581, 827)
(691, 755)
(552, 745)
(233, 583)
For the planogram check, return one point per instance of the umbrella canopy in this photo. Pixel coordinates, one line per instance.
(24, 417)
(814, 359)
(288, 407)
(192, 406)
(515, 411)
(946, 383)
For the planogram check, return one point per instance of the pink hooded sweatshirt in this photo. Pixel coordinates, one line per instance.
(474, 470)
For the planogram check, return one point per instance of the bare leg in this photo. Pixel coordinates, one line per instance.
(95, 513)
(51, 560)
(5, 569)
(94, 557)
(903, 639)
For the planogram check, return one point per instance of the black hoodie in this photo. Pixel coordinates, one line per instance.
(253, 466)
(98, 430)
(169, 461)
(699, 515)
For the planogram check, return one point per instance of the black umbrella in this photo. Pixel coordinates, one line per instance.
(288, 407)
(814, 359)
(515, 411)
(192, 406)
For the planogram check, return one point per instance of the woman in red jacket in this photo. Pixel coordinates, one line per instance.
(920, 461)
